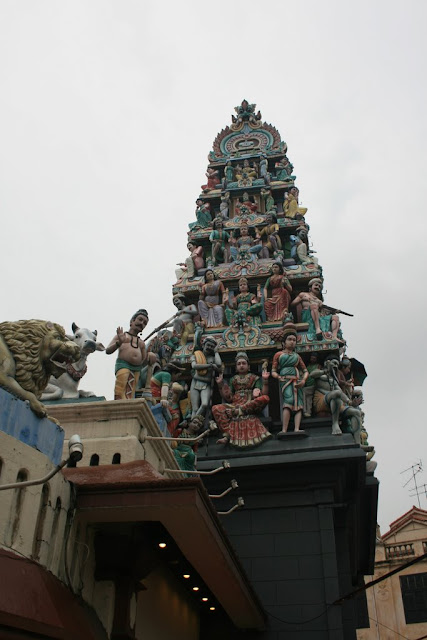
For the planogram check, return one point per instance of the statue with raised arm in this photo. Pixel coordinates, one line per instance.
(183, 324)
(205, 364)
(245, 397)
(131, 356)
(224, 207)
(330, 399)
(245, 304)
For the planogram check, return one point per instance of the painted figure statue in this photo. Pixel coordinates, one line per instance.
(228, 173)
(211, 303)
(277, 305)
(268, 199)
(263, 169)
(245, 397)
(224, 207)
(300, 251)
(330, 399)
(194, 262)
(246, 244)
(183, 324)
(271, 242)
(289, 369)
(203, 215)
(205, 363)
(161, 381)
(245, 207)
(213, 179)
(131, 356)
(220, 242)
(320, 320)
(283, 169)
(291, 209)
(246, 305)
(246, 172)
(186, 454)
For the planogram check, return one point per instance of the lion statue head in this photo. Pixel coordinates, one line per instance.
(30, 352)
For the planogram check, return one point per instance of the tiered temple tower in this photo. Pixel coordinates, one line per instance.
(307, 533)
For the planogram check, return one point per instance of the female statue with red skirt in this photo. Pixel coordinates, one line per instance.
(245, 396)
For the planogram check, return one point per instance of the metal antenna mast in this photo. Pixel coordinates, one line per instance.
(415, 469)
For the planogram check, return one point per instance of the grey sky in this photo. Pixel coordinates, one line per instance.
(108, 112)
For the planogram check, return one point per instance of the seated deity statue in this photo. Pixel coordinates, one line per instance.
(245, 244)
(330, 399)
(213, 179)
(246, 307)
(320, 318)
(246, 172)
(291, 209)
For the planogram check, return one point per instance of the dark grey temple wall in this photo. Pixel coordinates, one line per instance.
(306, 534)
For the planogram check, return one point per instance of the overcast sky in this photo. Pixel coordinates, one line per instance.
(107, 115)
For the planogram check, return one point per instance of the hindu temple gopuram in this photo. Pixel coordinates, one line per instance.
(271, 367)
(228, 490)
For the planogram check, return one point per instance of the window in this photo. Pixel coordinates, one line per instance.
(116, 458)
(414, 596)
(94, 460)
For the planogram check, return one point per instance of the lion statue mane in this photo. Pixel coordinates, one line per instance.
(30, 352)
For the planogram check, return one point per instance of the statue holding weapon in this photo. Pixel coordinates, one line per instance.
(321, 318)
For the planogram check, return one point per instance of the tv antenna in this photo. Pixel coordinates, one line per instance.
(415, 470)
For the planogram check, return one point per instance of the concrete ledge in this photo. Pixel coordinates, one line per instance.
(20, 422)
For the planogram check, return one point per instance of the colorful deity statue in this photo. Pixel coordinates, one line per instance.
(224, 207)
(247, 244)
(203, 215)
(193, 263)
(246, 173)
(131, 356)
(276, 304)
(245, 207)
(263, 169)
(205, 363)
(330, 399)
(183, 323)
(268, 199)
(186, 454)
(161, 381)
(319, 317)
(291, 208)
(289, 369)
(345, 379)
(283, 169)
(245, 397)
(246, 305)
(301, 252)
(271, 242)
(228, 173)
(220, 242)
(211, 303)
(213, 179)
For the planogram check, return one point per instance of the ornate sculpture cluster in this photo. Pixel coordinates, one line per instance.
(248, 299)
